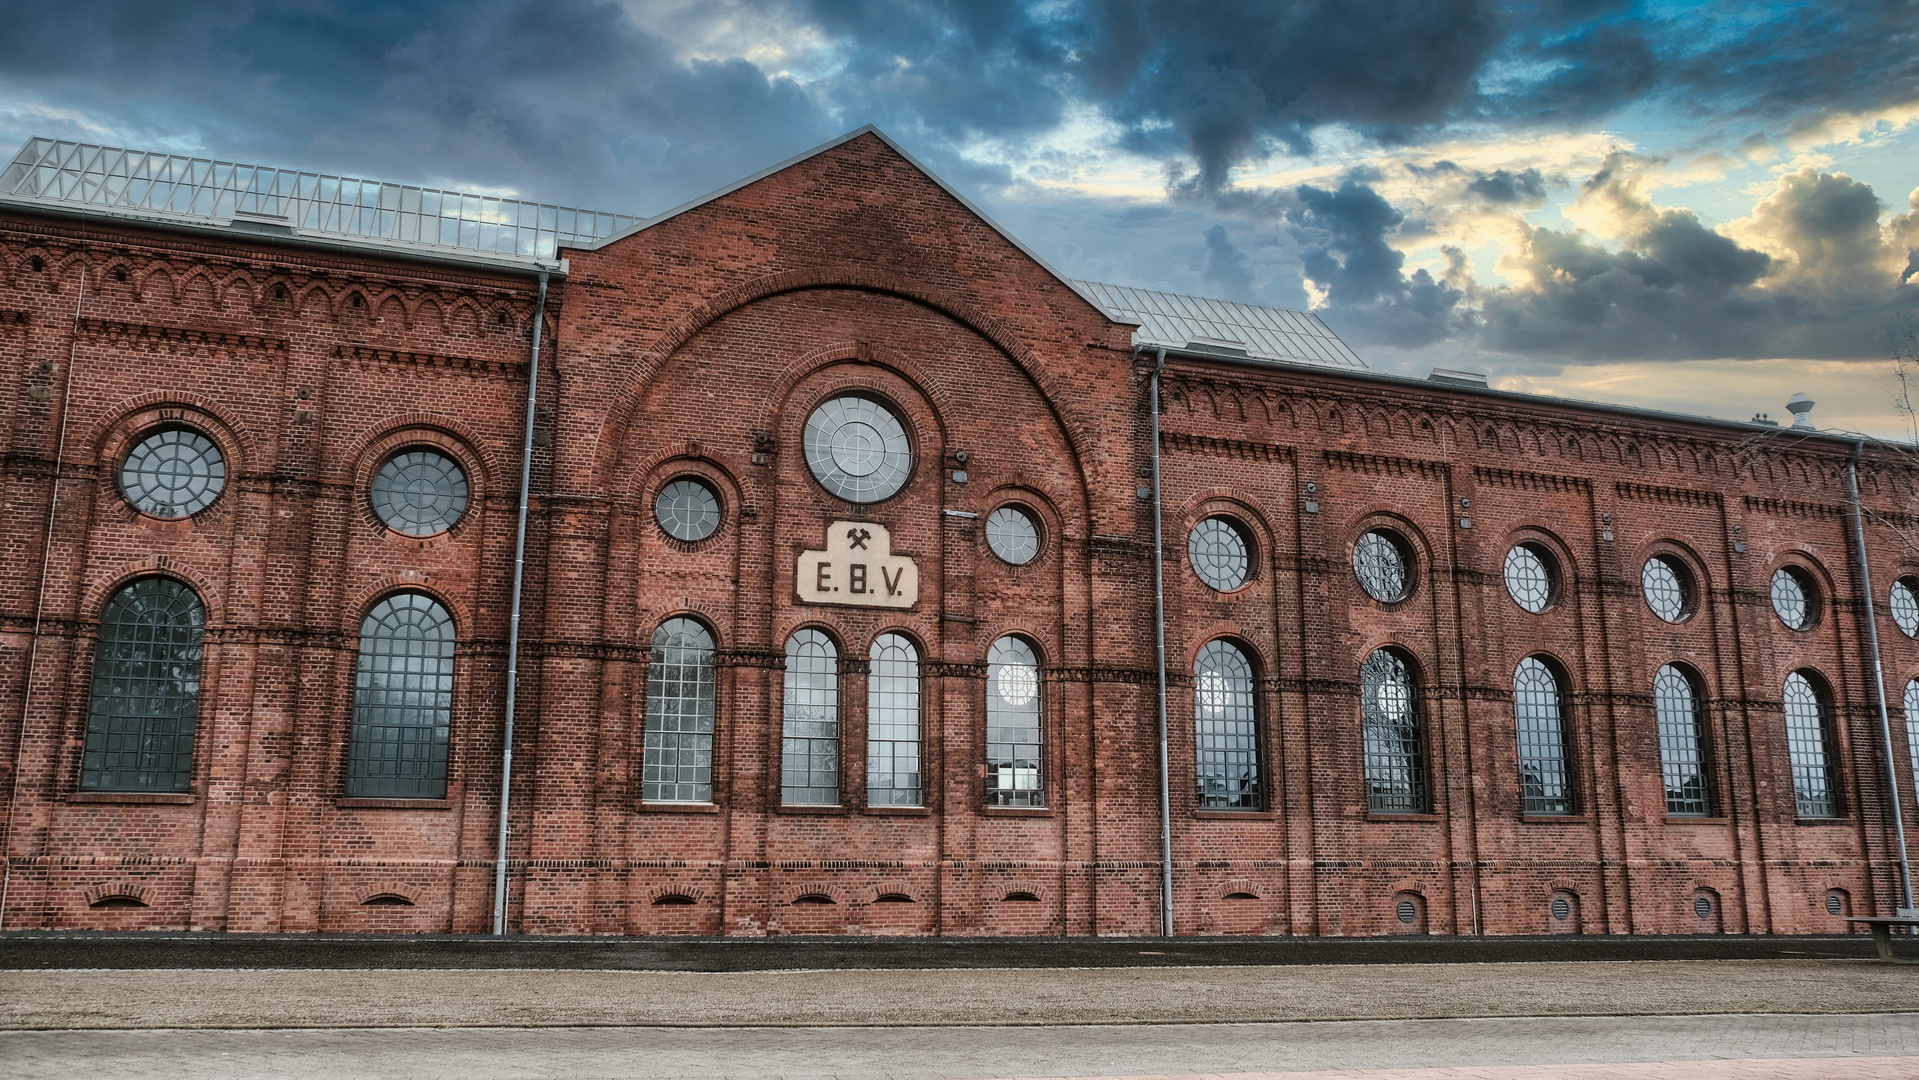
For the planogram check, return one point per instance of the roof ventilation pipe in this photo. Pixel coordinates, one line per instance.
(1800, 406)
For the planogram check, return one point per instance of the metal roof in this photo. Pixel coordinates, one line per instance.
(204, 192)
(1221, 326)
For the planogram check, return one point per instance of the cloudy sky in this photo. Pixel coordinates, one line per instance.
(1690, 204)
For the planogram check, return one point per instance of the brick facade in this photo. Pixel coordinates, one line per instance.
(697, 347)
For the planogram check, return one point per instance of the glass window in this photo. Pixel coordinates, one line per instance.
(1682, 742)
(146, 690)
(1792, 597)
(1227, 729)
(1013, 535)
(1219, 553)
(1667, 588)
(1912, 728)
(1529, 577)
(1381, 563)
(679, 715)
(1545, 783)
(688, 510)
(810, 722)
(173, 473)
(893, 723)
(1809, 745)
(857, 449)
(419, 492)
(1905, 606)
(402, 700)
(1014, 749)
(1389, 722)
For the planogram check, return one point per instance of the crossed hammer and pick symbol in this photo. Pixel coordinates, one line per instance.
(859, 537)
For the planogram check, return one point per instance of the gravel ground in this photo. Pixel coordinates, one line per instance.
(83, 999)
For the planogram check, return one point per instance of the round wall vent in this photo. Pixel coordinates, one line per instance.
(1408, 912)
(1702, 907)
(1561, 909)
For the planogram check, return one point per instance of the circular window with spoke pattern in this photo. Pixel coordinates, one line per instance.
(419, 493)
(1013, 535)
(1668, 588)
(1905, 606)
(1793, 597)
(1383, 568)
(1529, 577)
(688, 510)
(1220, 554)
(857, 449)
(173, 473)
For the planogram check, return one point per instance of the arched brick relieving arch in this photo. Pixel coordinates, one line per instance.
(626, 401)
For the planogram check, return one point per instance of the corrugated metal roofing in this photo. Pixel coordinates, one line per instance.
(201, 191)
(1196, 321)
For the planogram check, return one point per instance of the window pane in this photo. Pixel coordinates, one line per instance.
(1528, 579)
(679, 715)
(1665, 588)
(173, 473)
(1905, 606)
(1682, 754)
(688, 510)
(810, 724)
(419, 493)
(402, 701)
(1219, 554)
(1227, 730)
(1380, 563)
(1809, 744)
(1013, 535)
(146, 690)
(1544, 784)
(1013, 747)
(857, 449)
(1389, 721)
(1912, 728)
(1789, 601)
(893, 724)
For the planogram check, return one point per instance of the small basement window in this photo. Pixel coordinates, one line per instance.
(386, 899)
(118, 901)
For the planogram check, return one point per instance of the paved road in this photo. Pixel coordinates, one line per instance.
(1841, 1045)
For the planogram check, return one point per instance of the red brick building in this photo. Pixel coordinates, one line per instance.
(839, 609)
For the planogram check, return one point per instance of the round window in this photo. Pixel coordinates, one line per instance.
(1013, 535)
(419, 492)
(688, 510)
(1379, 559)
(1219, 554)
(1792, 597)
(173, 473)
(1529, 577)
(1666, 585)
(857, 449)
(1905, 606)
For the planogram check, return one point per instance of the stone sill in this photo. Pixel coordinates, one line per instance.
(1403, 818)
(1236, 815)
(899, 811)
(1555, 819)
(1822, 821)
(136, 798)
(677, 807)
(1017, 811)
(1676, 819)
(394, 804)
(808, 810)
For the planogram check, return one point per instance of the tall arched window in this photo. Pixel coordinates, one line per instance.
(810, 722)
(1545, 781)
(402, 700)
(1682, 742)
(146, 690)
(1912, 727)
(1809, 746)
(1394, 745)
(679, 715)
(893, 724)
(1015, 750)
(1226, 729)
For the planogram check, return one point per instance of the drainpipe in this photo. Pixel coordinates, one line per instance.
(39, 608)
(1159, 621)
(1878, 671)
(513, 624)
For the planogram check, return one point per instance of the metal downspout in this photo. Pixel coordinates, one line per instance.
(1878, 671)
(513, 624)
(1159, 626)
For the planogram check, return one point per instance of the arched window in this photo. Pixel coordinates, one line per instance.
(1545, 781)
(1394, 745)
(1226, 741)
(1912, 727)
(402, 700)
(679, 715)
(1809, 745)
(1682, 742)
(146, 690)
(810, 722)
(1014, 747)
(893, 724)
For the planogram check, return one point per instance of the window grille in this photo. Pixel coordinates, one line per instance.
(402, 700)
(1791, 598)
(680, 693)
(1912, 727)
(1809, 746)
(1545, 781)
(1389, 721)
(893, 723)
(810, 722)
(1682, 743)
(146, 690)
(1664, 583)
(1226, 729)
(1218, 552)
(688, 510)
(857, 449)
(1013, 535)
(1379, 559)
(419, 493)
(1014, 748)
(173, 473)
(1905, 606)
(1529, 579)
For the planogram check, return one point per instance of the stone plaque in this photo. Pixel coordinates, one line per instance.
(857, 569)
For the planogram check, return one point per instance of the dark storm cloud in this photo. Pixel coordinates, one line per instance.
(1502, 187)
(1228, 271)
(1345, 250)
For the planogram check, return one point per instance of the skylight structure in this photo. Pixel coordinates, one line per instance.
(1221, 326)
